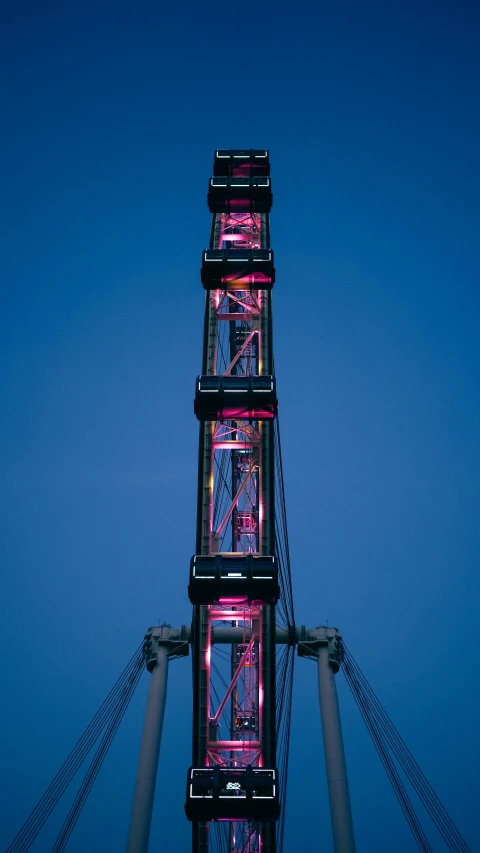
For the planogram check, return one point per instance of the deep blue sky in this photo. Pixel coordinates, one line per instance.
(110, 114)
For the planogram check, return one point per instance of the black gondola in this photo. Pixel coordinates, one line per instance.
(237, 195)
(237, 269)
(240, 163)
(235, 397)
(232, 578)
(225, 793)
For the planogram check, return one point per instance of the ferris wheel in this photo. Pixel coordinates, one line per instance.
(243, 635)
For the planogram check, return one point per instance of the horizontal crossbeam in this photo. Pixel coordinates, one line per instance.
(223, 635)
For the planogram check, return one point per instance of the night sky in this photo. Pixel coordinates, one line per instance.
(110, 114)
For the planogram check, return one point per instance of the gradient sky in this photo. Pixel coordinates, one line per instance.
(110, 114)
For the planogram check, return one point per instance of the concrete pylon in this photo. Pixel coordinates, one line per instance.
(160, 644)
(325, 645)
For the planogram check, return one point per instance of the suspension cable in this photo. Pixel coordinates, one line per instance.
(437, 811)
(281, 535)
(285, 658)
(391, 740)
(97, 761)
(395, 781)
(42, 811)
(284, 743)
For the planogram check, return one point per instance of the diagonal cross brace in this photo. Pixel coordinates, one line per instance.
(240, 352)
(233, 682)
(223, 525)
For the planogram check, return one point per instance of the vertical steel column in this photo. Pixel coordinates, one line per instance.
(267, 546)
(142, 807)
(204, 546)
(340, 808)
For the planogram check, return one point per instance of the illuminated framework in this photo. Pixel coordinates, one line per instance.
(243, 633)
(236, 710)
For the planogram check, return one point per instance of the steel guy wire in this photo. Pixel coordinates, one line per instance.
(72, 763)
(392, 773)
(436, 810)
(96, 764)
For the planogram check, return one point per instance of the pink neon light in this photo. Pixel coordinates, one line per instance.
(230, 820)
(240, 229)
(240, 203)
(234, 745)
(247, 414)
(239, 615)
(232, 238)
(252, 278)
(247, 848)
(260, 695)
(232, 445)
(239, 599)
(215, 758)
(244, 170)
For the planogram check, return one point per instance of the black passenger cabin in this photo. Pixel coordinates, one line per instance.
(240, 195)
(238, 269)
(232, 578)
(246, 398)
(232, 793)
(233, 162)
